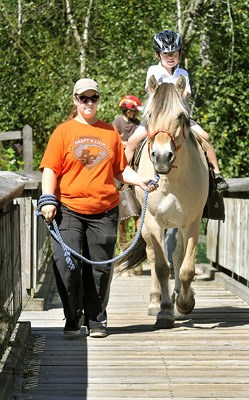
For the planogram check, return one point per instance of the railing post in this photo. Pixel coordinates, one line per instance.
(28, 148)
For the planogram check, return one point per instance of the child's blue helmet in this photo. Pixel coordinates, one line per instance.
(167, 42)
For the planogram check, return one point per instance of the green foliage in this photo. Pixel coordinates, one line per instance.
(130, 234)
(40, 61)
(201, 254)
(121, 49)
(9, 160)
(221, 104)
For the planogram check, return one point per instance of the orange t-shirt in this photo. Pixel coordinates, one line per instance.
(86, 159)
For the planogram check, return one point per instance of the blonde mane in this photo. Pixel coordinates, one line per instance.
(164, 100)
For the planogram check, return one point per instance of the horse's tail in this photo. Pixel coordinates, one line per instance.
(134, 258)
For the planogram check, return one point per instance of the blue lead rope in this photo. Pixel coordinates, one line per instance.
(46, 199)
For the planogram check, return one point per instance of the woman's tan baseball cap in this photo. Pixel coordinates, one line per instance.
(84, 84)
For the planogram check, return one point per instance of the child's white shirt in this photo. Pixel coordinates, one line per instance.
(162, 75)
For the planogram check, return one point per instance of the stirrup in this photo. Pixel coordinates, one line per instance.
(221, 184)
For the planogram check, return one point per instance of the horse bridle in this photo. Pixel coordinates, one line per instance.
(153, 134)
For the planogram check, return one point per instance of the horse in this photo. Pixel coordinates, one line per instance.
(177, 157)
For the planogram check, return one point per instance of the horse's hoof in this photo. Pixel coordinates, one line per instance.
(187, 309)
(179, 316)
(164, 324)
(153, 311)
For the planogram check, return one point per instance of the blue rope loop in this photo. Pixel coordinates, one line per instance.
(68, 252)
(44, 200)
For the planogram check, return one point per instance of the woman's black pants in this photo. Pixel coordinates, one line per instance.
(86, 288)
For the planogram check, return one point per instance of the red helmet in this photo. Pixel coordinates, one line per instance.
(130, 102)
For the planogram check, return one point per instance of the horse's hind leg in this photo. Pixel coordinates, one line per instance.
(185, 300)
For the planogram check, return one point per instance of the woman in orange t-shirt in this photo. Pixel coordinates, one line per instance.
(82, 158)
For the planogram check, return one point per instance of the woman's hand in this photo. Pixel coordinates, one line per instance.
(49, 212)
(131, 177)
(148, 184)
(49, 182)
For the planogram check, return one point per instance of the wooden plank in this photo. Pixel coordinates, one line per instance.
(133, 391)
(11, 135)
(9, 190)
(205, 356)
(28, 148)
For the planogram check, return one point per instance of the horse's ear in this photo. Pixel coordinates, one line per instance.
(181, 84)
(152, 84)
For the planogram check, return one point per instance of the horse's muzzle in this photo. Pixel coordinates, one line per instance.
(163, 163)
(163, 171)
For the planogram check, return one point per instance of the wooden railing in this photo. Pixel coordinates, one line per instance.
(228, 242)
(24, 247)
(27, 138)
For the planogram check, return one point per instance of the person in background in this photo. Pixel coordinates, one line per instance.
(167, 45)
(126, 124)
(83, 157)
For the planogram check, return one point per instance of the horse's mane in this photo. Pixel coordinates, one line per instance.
(164, 100)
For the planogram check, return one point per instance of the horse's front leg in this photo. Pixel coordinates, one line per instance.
(165, 317)
(185, 300)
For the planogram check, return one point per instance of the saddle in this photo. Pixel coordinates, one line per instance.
(137, 154)
(129, 205)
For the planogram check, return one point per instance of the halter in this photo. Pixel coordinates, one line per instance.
(153, 134)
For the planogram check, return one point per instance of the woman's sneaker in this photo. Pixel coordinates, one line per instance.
(97, 329)
(72, 327)
(98, 332)
(221, 184)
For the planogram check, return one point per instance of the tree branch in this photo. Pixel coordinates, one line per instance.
(179, 16)
(81, 42)
(196, 11)
(19, 17)
(24, 46)
(232, 33)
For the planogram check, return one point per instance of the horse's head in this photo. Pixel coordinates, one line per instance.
(166, 117)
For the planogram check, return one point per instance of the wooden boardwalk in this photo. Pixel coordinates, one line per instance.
(204, 357)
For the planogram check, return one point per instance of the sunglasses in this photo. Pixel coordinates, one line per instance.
(85, 99)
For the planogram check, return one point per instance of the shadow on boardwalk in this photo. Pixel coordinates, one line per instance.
(206, 355)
